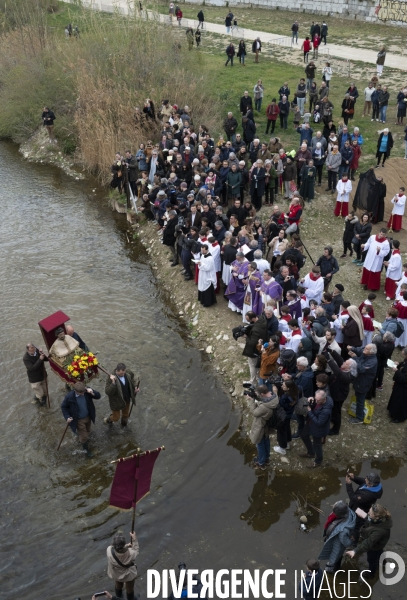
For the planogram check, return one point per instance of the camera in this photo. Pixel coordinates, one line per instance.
(238, 332)
(250, 391)
(276, 380)
(310, 404)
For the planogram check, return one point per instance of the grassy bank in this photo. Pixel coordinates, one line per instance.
(94, 82)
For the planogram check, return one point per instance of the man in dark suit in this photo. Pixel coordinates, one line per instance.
(79, 411)
(246, 103)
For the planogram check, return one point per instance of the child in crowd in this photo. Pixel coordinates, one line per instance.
(368, 302)
(368, 327)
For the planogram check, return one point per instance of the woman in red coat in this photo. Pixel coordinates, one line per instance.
(354, 163)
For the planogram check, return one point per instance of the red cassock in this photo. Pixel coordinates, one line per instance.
(395, 222)
(367, 323)
(402, 310)
(371, 314)
(390, 288)
(371, 279)
(341, 209)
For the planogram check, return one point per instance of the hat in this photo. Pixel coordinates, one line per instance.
(339, 287)
(161, 193)
(79, 387)
(59, 330)
(182, 205)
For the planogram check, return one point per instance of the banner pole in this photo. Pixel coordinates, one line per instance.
(133, 521)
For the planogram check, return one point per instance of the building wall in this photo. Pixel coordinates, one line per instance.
(392, 12)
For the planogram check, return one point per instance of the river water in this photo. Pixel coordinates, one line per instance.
(63, 248)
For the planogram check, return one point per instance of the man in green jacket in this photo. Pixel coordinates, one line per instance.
(374, 535)
(121, 390)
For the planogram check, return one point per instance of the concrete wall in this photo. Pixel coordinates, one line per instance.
(391, 12)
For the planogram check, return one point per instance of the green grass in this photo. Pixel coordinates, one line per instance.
(229, 84)
(340, 31)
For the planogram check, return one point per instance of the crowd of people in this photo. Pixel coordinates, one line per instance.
(205, 197)
(307, 347)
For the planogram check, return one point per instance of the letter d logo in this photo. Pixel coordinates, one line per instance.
(393, 562)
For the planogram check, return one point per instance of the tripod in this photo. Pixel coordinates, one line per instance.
(306, 250)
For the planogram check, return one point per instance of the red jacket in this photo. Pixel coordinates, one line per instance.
(354, 163)
(307, 45)
(294, 214)
(272, 112)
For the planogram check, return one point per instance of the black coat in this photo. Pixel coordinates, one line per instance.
(70, 407)
(249, 131)
(363, 231)
(363, 499)
(257, 181)
(300, 258)
(351, 334)
(339, 383)
(389, 144)
(397, 405)
(245, 103)
(169, 232)
(229, 254)
(349, 230)
(384, 352)
(258, 331)
(35, 367)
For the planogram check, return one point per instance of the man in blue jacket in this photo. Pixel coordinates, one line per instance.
(317, 425)
(79, 411)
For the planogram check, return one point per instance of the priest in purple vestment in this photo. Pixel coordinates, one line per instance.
(294, 304)
(252, 299)
(270, 289)
(235, 292)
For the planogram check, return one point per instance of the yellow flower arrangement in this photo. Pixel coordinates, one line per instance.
(83, 365)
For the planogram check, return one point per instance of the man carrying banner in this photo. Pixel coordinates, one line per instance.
(121, 391)
(121, 566)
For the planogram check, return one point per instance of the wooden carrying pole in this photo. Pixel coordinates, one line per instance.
(133, 518)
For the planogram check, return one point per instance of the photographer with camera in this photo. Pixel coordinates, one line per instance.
(256, 331)
(264, 406)
(270, 352)
(287, 282)
(316, 426)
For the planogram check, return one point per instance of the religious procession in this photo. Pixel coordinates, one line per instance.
(273, 353)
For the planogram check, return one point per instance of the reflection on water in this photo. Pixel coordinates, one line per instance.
(62, 248)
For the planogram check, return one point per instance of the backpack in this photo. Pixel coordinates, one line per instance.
(195, 247)
(399, 330)
(277, 418)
